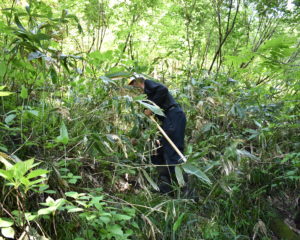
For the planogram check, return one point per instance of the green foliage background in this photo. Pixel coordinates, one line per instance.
(233, 65)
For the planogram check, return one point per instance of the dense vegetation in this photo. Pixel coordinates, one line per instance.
(75, 144)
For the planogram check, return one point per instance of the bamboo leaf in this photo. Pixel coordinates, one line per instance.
(179, 176)
(19, 24)
(9, 118)
(2, 72)
(149, 179)
(155, 109)
(178, 222)
(188, 168)
(118, 75)
(244, 153)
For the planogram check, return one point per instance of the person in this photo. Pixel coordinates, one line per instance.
(173, 124)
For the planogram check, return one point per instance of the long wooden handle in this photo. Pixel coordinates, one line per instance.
(168, 139)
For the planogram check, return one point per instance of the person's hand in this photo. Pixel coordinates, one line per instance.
(134, 142)
(148, 112)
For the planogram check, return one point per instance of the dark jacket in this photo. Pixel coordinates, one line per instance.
(159, 94)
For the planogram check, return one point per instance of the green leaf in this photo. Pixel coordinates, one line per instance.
(8, 232)
(155, 109)
(6, 222)
(115, 229)
(19, 24)
(74, 195)
(25, 181)
(178, 222)
(50, 201)
(149, 179)
(24, 93)
(20, 168)
(179, 176)
(2, 70)
(46, 211)
(105, 219)
(29, 216)
(35, 55)
(188, 168)
(64, 136)
(75, 209)
(9, 118)
(6, 174)
(53, 75)
(33, 112)
(72, 180)
(118, 75)
(6, 163)
(244, 153)
(50, 191)
(5, 93)
(121, 217)
(36, 173)
(36, 181)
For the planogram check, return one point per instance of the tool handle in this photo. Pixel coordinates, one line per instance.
(168, 139)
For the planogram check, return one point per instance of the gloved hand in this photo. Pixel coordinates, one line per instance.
(148, 112)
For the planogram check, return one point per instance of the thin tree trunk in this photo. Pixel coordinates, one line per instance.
(227, 33)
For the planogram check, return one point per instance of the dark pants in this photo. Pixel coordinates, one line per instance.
(174, 126)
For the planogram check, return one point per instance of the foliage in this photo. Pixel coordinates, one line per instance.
(232, 65)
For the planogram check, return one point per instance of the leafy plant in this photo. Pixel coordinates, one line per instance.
(22, 177)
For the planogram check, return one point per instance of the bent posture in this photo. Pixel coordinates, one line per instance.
(173, 124)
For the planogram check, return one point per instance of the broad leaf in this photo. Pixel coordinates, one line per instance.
(115, 229)
(29, 216)
(6, 174)
(24, 93)
(64, 136)
(46, 211)
(21, 168)
(6, 222)
(8, 232)
(37, 173)
(72, 194)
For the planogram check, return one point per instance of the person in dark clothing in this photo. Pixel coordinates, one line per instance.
(173, 124)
